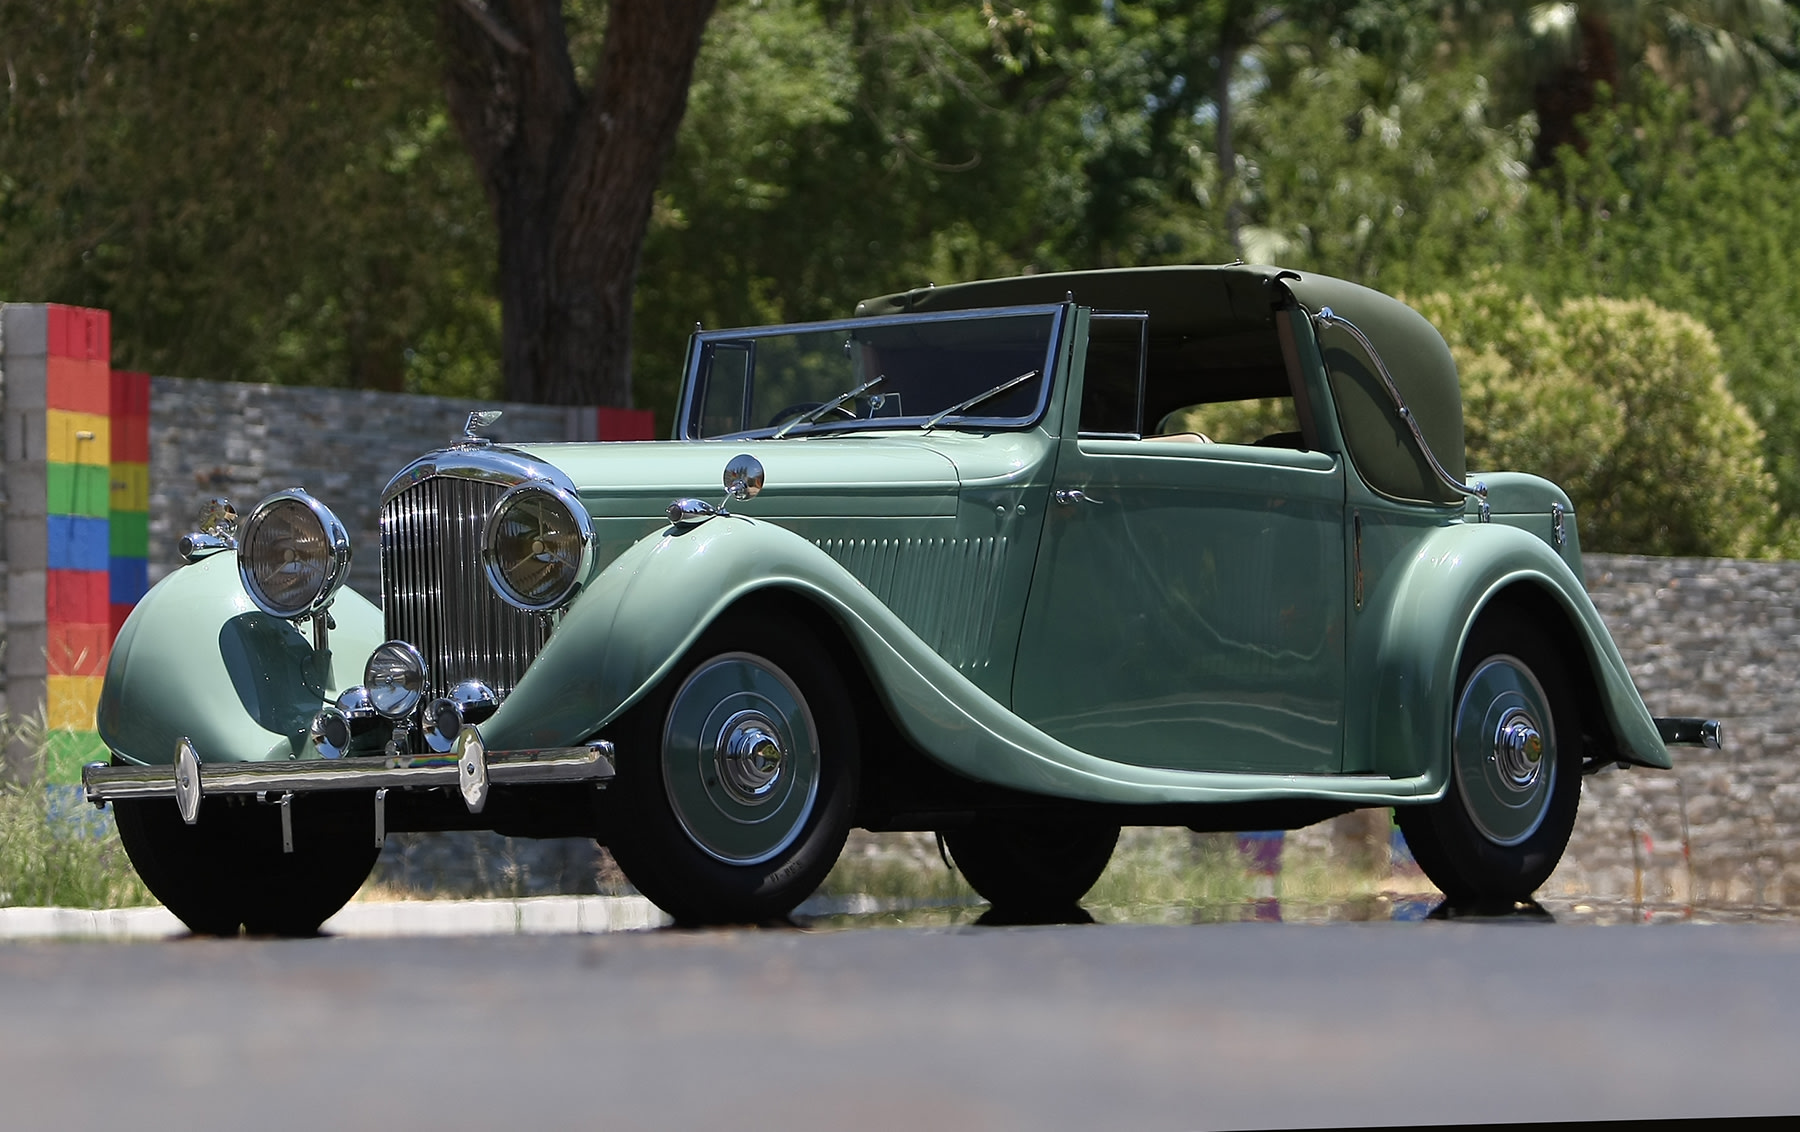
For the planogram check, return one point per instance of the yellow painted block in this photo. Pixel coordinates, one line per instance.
(130, 487)
(73, 701)
(78, 438)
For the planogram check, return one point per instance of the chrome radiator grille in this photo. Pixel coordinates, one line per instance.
(435, 595)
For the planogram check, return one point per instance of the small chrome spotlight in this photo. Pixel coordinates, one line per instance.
(355, 703)
(476, 700)
(395, 679)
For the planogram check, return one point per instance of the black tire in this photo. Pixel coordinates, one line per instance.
(704, 817)
(1506, 816)
(1032, 866)
(229, 869)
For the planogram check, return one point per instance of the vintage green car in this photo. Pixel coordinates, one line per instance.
(1019, 561)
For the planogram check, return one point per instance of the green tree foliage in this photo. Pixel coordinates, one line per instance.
(255, 194)
(1625, 405)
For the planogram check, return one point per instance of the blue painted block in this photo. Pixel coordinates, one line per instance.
(128, 580)
(78, 542)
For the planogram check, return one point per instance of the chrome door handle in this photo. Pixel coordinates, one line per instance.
(1067, 495)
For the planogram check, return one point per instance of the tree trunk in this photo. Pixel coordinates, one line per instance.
(1569, 91)
(570, 174)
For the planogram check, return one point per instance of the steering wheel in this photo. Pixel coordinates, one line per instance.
(799, 408)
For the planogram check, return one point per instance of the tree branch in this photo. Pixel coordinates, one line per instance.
(496, 31)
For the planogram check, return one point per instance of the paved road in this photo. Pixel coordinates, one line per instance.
(1227, 1026)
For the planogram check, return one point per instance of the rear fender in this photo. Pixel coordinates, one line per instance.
(1398, 720)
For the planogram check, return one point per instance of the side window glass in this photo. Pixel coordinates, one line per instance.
(1229, 385)
(1112, 386)
(724, 403)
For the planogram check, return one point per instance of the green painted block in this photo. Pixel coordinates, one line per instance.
(78, 489)
(66, 752)
(129, 535)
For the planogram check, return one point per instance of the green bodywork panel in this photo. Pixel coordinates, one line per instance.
(197, 659)
(1206, 623)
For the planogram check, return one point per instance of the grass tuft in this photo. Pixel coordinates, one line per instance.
(55, 849)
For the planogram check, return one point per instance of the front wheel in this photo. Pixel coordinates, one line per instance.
(737, 778)
(1515, 770)
(230, 868)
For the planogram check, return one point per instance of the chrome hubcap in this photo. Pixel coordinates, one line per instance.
(1518, 750)
(750, 758)
(740, 758)
(1504, 750)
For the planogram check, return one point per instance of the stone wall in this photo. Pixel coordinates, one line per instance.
(1703, 637)
(243, 442)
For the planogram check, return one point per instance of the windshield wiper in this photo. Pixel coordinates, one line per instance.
(815, 413)
(958, 410)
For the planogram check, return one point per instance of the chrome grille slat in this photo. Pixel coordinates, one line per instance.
(435, 595)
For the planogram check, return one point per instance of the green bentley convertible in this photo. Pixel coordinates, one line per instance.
(1019, 561)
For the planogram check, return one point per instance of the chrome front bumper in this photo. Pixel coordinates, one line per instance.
(469, 766)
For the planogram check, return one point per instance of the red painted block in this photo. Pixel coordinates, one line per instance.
(627, 424)
(78, 596)
(131, 440)
(78, 649)
(82, 333)
(117, 622)
(130, 394)
(56, 318)
(78, 385)
(100, 345)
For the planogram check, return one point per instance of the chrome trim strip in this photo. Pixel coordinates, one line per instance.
(504, 467)
(537, 766)
(1477, 490)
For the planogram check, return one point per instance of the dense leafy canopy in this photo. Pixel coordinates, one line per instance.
(277, 195)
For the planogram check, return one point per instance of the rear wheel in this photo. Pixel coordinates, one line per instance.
(229, 869)
(1515, 770)
(737, 778)
(1032, 865)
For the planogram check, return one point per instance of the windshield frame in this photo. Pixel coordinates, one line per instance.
(687, 410)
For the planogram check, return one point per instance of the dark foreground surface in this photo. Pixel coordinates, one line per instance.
(1209, 1026)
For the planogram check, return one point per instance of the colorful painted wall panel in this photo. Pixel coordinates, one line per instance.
(78, 554)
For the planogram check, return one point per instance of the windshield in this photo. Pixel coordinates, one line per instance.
(986, 369)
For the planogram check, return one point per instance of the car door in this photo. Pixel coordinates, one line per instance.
(1187, 609)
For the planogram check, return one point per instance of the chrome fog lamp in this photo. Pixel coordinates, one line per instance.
(330, 733)
(537, 546)
(395, 679)
(442, 724)
(293, 555)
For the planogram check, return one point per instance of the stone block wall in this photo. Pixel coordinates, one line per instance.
(244, 442)
(1703, 637)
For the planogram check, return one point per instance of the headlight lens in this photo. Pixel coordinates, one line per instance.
(293, 556)
(536, 546)
(395, 679)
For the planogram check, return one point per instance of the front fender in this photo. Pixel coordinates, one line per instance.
(1398, 720)
(196, 658)
(635, 620)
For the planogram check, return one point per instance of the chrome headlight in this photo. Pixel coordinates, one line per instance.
(293, 555)
(536, 546)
